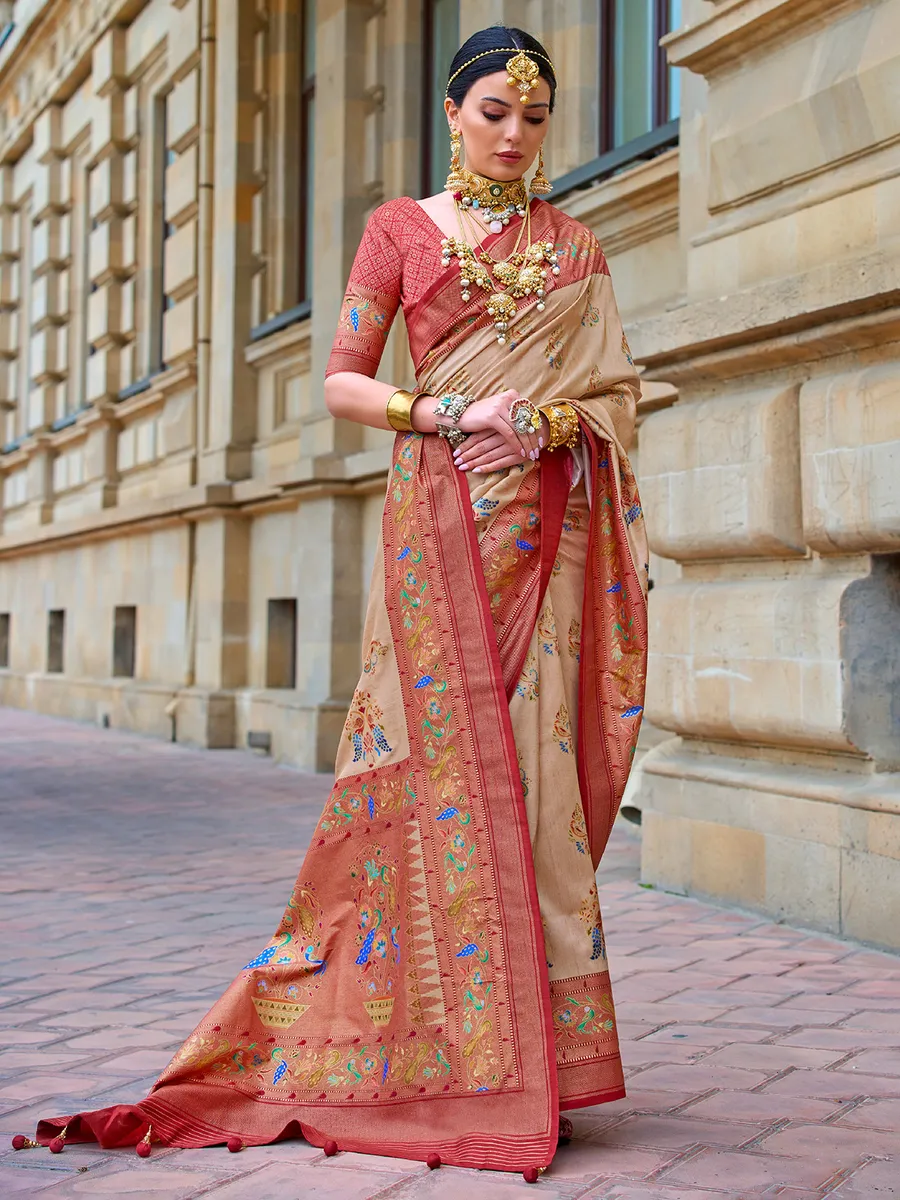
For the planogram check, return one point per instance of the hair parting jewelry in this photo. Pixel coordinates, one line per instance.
(521, 73)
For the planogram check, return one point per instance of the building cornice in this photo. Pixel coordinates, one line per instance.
(734, 28)
(632, 208)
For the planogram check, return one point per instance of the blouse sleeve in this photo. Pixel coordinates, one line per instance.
(370, 301)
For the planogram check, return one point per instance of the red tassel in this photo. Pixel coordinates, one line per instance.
(235, 1145)
(330, 1148)
(142, 1149)
(57, 1145)
(531, 1174)
(20, 1142)
(565, 1130)
(433, 1161)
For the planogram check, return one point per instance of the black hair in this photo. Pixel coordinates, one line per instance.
(499, 38)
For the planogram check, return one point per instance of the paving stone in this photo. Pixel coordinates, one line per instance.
(874, 1181)
(92, 1007)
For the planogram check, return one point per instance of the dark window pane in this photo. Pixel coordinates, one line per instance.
(56, 640)
(4, 639)
(281, 646)
(635, 56)
(124, 641)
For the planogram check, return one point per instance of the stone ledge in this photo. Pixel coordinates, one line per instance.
(874, 793)
(632, 208)
(722, 40)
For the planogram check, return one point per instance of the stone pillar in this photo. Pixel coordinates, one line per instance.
(773, 480)
(229, 419)
(218, 626)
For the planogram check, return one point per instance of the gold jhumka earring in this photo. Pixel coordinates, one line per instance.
(455, 180)
(540, 184)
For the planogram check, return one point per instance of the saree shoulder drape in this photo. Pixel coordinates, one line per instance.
(439, 982)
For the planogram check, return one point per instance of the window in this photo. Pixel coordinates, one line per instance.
(4, 640)
(56, 638)
(281, 646)
(124, 641)
(307, 146)
(639, 92)
(440, 41)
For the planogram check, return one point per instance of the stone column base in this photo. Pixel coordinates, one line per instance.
(804, 844)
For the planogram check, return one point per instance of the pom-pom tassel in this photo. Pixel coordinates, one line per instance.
(21, 1142)
(330, 1148)
(433, 1161)
(565, 1130)
(533, 1174)
(142, 1149)
(59, 1142)
(235, 1145)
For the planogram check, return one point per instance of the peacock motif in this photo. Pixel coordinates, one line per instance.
(364, 729)
(562, 730)
(529, 685)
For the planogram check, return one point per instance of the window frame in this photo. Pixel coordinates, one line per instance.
(665, 132)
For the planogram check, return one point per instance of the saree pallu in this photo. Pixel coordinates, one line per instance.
(439, 983)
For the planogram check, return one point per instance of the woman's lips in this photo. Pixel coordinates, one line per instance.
(510, 157)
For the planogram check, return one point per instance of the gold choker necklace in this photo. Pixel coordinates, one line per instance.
(494, 200)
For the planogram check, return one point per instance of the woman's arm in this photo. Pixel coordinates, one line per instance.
(358, 398)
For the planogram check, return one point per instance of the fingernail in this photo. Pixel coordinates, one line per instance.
(478, 470)
(533, 454)
(465, 467)
(541, 443)
(523, 453)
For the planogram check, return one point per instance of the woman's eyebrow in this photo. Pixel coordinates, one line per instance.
(506, 103)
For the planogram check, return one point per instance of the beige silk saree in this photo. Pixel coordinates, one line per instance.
(438, 984)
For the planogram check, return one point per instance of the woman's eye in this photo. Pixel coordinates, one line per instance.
(494, 116)
(535, 120)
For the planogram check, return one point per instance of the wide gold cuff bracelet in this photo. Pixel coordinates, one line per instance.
(564, 427)
(399, 409)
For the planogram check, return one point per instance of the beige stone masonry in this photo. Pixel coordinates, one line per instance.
(851, 460)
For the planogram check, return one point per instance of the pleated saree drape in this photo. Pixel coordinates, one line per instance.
(439, 982)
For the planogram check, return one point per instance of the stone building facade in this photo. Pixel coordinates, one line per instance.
(185, 533)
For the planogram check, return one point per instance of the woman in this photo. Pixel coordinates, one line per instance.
(438, 987)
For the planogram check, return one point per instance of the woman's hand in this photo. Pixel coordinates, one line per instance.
(491, 415)
(489, 451)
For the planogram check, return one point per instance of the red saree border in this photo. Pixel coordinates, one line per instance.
(602, 767)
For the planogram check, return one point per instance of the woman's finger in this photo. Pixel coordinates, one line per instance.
(476, 445)
(499, 463)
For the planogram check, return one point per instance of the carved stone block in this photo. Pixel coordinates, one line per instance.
(850, 436)
(721, 478)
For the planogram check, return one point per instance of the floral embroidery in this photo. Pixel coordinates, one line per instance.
(584, 1015)
(562, 729)
(377, 650)
(377, 940)
(284, 976)
(529, 684)
(467, 912)
(553, 351)
(557, 566)
(591, 315)
(578, 830)
(589, 914)
(572, 520)
(546, 632)
(377, 796)
(526, 782)
(360, 315)
(595, 383)
(626, 350)
(364, 729)
(575, 640)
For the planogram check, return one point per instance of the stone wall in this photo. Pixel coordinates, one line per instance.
(774, 481)
(167, 447)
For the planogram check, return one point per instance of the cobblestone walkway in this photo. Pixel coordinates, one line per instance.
(138, 877)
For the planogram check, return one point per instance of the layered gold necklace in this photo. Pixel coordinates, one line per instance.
(522, 273)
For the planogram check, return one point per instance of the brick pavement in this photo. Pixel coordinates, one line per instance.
(138, 877)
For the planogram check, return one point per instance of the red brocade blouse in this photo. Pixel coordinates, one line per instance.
(398, 260)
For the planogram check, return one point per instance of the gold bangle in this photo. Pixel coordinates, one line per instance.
(399, 409)
(564, 426)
